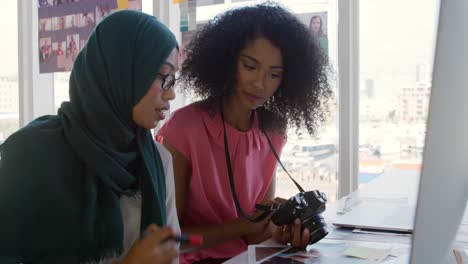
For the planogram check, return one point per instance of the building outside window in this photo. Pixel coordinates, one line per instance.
(396, 56)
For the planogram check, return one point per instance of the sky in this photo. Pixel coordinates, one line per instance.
(395, 36)
(9, 43)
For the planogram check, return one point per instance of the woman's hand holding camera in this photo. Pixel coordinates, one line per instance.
(260, 231)
(291, 233)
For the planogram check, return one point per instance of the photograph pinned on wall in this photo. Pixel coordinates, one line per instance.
(45, 53)
(63, 63)
(61, 22)
(76, 20)
(58, 23)
(45, 24)
(58, 48)
(102, 11)
(72, 46)
(317, 23)
(55, 23)
(87, 19)
(72, 22)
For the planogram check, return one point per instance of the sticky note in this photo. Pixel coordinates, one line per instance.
(373, 254)
(396, 252)
(122, 4)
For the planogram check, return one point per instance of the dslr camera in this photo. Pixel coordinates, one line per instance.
(306, 206)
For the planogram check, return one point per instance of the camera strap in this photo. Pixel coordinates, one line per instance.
(267, 209)
(280, 163)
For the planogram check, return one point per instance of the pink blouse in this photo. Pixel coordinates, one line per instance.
(198, 135)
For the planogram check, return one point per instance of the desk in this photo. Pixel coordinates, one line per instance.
(392, 184)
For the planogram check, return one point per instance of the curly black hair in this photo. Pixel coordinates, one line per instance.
(210, 66)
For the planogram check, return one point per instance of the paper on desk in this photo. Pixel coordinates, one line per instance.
(399, 251)
(362, 231)
(374, 254)
(399, 260)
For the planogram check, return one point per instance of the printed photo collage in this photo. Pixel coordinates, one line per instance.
(65, 26)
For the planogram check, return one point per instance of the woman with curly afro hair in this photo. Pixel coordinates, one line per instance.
(258, 70)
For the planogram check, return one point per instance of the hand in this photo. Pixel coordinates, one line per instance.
(153, 248)
(255, 228)
(292, 234)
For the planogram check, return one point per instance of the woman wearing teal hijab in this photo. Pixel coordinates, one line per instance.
(84, 185)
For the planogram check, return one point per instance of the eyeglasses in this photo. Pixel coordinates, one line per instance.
(168, 81)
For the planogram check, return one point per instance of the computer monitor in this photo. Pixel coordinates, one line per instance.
(443, 189)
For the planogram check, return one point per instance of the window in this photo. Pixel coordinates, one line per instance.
(396, 52)
(9, 107)
(312, 162)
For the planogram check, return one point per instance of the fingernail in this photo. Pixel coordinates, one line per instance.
(297, 221)
(145, 233)
(170, 244)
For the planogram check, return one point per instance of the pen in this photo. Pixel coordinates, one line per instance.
(192, 240)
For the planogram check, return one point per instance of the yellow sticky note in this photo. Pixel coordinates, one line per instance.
(122, 4)
(178, 1)
(373, 254)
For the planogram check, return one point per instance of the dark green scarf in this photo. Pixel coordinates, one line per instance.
(61, 177)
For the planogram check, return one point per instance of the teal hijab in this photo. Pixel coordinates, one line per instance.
(61, 177)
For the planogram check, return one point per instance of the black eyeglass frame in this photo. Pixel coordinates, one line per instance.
(168, 81)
